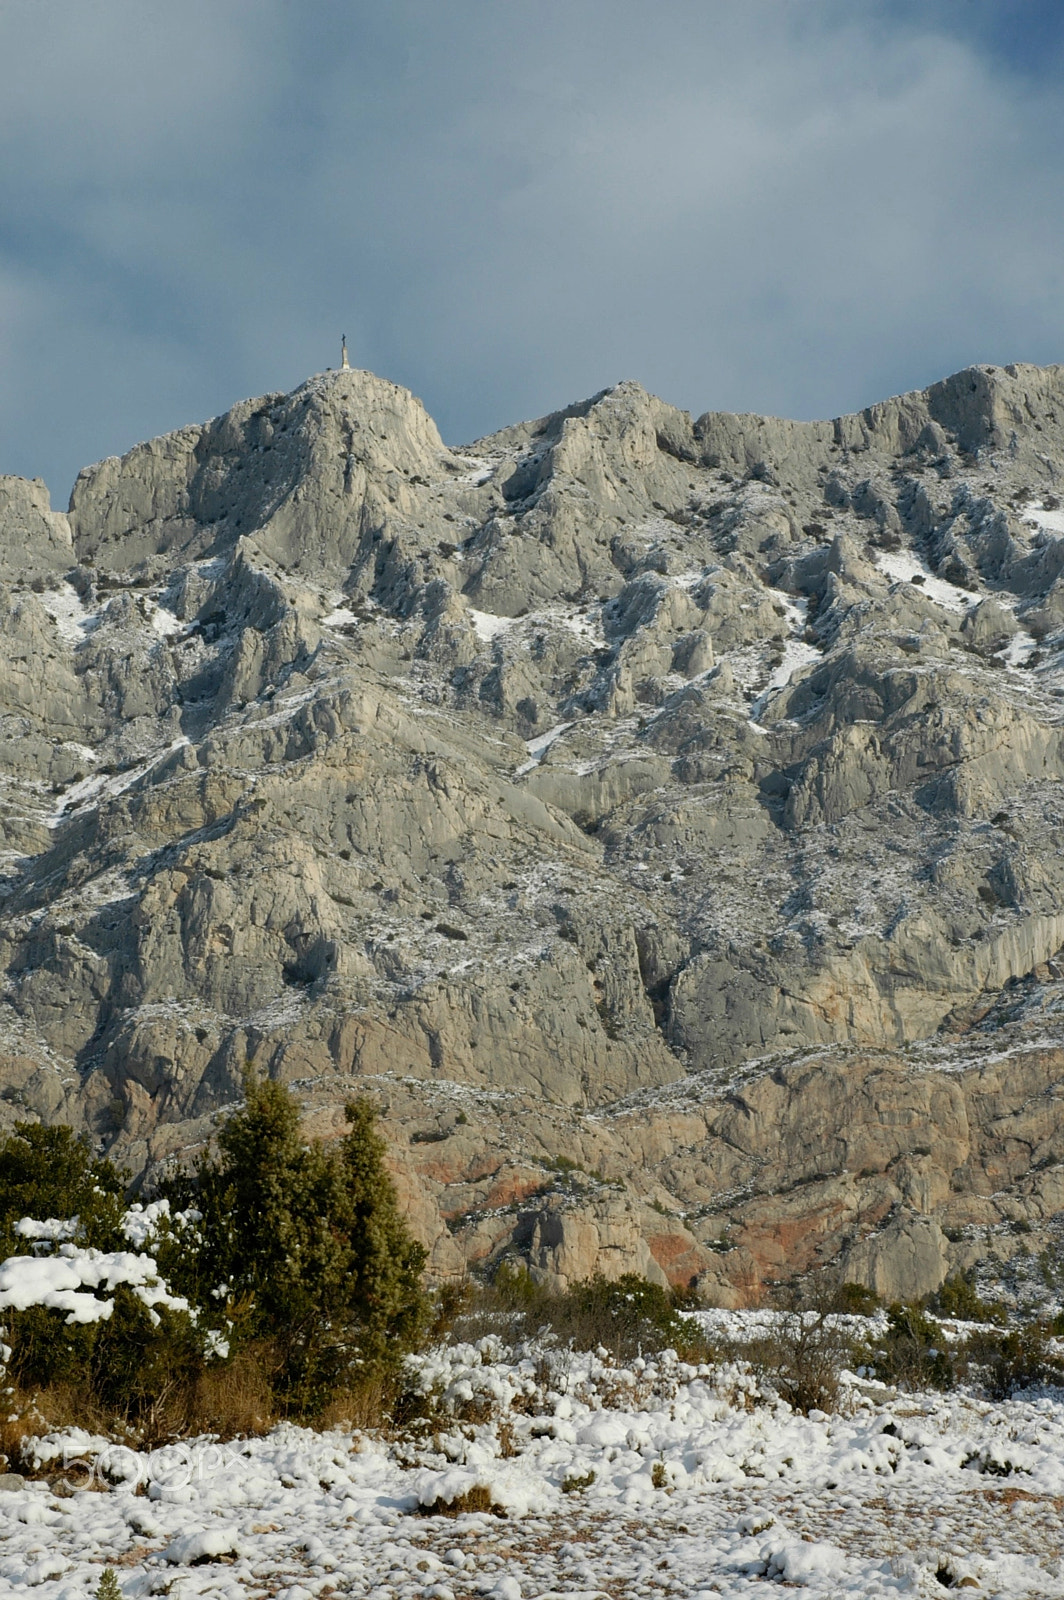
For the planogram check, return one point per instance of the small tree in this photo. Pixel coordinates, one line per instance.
(384, 1260)
(303, 1248)
(803, 1354)
(50, 1172)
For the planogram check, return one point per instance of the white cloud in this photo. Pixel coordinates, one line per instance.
(768, 206)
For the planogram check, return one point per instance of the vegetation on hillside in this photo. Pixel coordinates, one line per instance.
(283, 1282)
(286, 1277)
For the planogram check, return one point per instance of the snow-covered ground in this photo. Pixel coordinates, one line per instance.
(651, 1480)
(903, 566)
(796, 655)
(1020, 649)
(339, 617)
(1049, 519)
(488, 626)
(88, 792)
(164, 622)
(538, 747)
(73, 619)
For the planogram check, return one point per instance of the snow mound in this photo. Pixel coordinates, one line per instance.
(209, 1545)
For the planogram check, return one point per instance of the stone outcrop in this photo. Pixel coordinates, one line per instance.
(37, 540)
(661, 818)
(905, 1261)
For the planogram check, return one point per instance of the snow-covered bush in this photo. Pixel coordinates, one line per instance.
(287, 1265)
(49, 1172)
(81, 1310)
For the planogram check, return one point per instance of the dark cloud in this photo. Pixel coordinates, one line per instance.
(771, 206)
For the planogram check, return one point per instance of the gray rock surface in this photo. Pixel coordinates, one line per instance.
(905, 1261)
(677, 803)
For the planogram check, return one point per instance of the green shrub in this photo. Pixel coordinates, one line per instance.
(1014, 1360)
(628, 1317)
(958, 1297)
(515, 1289)
(450, 1302)
(856, 1300)
(913, 1352)
(140, 1356)
(50, 1172)
(302, 1249)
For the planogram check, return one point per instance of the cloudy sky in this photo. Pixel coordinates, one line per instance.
(793, 206)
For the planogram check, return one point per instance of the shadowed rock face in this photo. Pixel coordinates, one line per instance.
(678, 799)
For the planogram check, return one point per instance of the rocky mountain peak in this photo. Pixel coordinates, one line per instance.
(309, 473)
(677, 799)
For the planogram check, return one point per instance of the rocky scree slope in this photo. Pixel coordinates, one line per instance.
(662, 818)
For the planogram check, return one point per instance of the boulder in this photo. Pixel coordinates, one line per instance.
(906, 1260)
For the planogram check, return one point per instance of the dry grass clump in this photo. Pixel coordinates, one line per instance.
(475, 1499)
(29, 1416)
(370, 1405)
(230, 1401)
(14, 1432)
(233, 1400)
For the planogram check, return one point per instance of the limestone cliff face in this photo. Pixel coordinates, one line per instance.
(677, 799)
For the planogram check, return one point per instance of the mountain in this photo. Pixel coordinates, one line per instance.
(662, 819)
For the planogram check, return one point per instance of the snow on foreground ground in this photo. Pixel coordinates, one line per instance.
(654, 1480)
